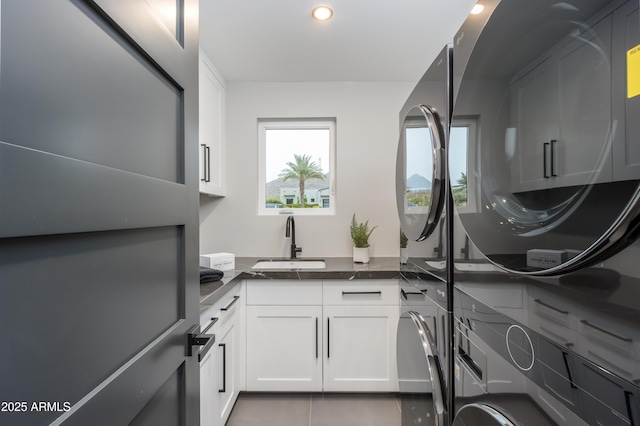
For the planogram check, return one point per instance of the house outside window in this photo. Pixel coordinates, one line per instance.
(296, 166)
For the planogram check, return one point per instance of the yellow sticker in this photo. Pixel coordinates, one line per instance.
(633, 72)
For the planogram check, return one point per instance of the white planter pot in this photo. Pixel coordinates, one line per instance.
(361, 254)
(404, 255)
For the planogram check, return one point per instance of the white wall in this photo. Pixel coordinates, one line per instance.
(366, 134)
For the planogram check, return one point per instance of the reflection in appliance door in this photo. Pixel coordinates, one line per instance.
(420, 375)
(480, 415)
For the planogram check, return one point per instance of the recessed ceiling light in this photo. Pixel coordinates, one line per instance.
(322, 13)
(477, 9)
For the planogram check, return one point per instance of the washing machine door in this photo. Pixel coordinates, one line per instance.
(420, 172)
(481, 415)
(420, 376)
(544, 161)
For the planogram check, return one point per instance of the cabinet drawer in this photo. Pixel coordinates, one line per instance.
(365, 292)
(222, 309)
(284, 292)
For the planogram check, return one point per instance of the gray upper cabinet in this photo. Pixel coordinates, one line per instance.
(561, 112)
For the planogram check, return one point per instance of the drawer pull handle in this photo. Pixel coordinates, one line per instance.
(602, 330)
(347, 293)
(226, 308)
(406, 294)
(211, 324)
(546, 305)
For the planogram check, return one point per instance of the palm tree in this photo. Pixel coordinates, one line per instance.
(302, 169)
(462, 180)
(459, 191)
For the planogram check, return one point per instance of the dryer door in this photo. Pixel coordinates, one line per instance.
(420, 376)
(480, 415)
(543, 152)
(420, 172)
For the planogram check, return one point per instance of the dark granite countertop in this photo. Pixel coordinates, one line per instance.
(337, 268)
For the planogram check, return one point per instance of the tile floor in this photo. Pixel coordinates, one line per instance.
(318, 409)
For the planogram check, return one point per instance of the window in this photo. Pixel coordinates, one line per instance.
(296, 166)
(418, 166)
(462, 169)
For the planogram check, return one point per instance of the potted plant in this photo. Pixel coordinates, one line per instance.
(360, 233)
(403, 248)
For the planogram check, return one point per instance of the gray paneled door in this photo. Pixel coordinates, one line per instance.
(98, 211)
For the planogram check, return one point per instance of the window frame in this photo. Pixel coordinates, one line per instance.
(265, 124)
(473, 168)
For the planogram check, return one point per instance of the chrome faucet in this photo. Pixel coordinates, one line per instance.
(291, 232)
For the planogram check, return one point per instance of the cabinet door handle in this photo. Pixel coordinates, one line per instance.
(328, 339)
(628, 396)
(316, 337)
(565, 356)
(208, 165)
(204, 162)
(224, 367)
(226, 308)
(346, 293)
(553, 161)
(545, 148)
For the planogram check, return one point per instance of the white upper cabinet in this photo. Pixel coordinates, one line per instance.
(212, 134)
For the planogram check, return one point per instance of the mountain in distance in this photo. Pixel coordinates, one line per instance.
(417, 181)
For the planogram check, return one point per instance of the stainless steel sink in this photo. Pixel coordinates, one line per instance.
(289, 264)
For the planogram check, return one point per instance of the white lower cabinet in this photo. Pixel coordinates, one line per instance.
(221, 368)
(209, 389)
(360, 352)
(296, 343)
(283, 348)
(228, 373)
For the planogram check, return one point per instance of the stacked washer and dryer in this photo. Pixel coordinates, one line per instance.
(522, 266)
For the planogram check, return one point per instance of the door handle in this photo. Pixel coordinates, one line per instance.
(316, 337)
(194, 338)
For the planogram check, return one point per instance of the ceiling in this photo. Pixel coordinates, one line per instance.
(279, 41)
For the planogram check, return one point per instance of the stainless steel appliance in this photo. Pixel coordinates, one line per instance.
(424, 346)
(544, 163)
(422, 337)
